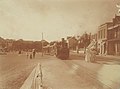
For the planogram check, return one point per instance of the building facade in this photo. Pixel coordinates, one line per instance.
(114, 37)
(102, 38)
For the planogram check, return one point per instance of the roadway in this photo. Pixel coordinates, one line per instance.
(74, 73)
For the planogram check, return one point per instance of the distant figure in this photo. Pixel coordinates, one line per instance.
(34, 52)
(27, 54)
(57, 50)
(19, 52)
(30, 56)
(87, 55)
(93, 55)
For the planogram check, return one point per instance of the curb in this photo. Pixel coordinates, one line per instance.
(28, 82)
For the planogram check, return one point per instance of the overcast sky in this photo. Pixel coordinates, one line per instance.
(27, 19)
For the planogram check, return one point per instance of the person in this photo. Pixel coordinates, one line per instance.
(27, 54)
(34, 53)
(93, 54)
(58, 50)
(87, 55)
(19, 52)
(30, 56)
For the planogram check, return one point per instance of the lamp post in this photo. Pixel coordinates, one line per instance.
(42, 43)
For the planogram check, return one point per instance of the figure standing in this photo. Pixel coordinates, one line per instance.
(93, 55)
(34, 52)
(30, 56)
(27, 54)
(87, 55)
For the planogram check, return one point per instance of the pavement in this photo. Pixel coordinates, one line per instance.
(75, 74)
(107, 75)
(105, 69)
(81, 53)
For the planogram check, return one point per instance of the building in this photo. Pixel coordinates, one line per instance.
(114, 37)
(102, 38)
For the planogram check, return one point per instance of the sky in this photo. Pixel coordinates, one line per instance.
(28, 19)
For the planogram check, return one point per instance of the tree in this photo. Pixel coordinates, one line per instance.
(86, 40)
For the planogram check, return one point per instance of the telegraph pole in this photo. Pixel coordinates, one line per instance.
(42, 43)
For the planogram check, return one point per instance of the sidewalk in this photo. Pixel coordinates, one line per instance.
(105, 69)
(109, 57)
(81, 53)
(107, 75)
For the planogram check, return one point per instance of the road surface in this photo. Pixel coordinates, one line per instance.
(14, 69)
(74, 73)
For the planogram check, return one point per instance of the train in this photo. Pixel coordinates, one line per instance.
(59, 49)
(62, 50)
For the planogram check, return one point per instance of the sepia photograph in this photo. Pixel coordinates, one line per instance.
(59, 44)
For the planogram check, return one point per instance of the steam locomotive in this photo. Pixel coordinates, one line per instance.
(62, 51)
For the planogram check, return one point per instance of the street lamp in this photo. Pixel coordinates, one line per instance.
(42, 43)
